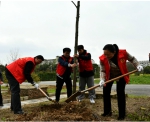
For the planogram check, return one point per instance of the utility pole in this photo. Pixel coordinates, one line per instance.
(76, 44)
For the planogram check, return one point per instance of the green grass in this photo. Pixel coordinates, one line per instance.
(53, 90)
(134, 96)
(134, 79)
(96, 81)
(141, 79)
(4, 87)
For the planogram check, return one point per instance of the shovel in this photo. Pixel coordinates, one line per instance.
(46, 95)
(73, 97)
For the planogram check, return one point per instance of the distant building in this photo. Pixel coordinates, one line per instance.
(144, 63)
(47, 61)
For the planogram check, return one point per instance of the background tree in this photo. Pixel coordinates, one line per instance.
(2, 67)
(96, 70)
(146, 70)
(14, 55)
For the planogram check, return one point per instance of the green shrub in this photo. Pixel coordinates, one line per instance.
(47, 76)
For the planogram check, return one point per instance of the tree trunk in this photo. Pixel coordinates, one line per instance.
(75, 47)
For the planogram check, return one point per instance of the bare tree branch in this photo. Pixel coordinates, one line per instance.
(74, 4)
(14, 55)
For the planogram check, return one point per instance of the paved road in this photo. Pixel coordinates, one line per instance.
(130, 88)
(140, 90)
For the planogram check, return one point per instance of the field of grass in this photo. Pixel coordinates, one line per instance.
(4, 87)
(52, 90)
(141, 79)
(135, 79)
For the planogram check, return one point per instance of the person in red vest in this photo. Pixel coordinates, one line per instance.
(63, 73)
(113, 64)
(86, 74)
(16, 73)
(1, 82)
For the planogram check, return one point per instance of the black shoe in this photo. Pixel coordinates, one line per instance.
(121, 118)
(19, 112)
(108, 114)
(1, 105)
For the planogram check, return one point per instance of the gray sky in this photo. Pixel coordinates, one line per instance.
(46, 27)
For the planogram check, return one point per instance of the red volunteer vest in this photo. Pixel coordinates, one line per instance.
(17, 68)
(85, 65)
(61, 69)
(122, 57)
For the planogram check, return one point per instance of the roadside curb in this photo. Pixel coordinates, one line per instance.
(32, 101)
(24, 98)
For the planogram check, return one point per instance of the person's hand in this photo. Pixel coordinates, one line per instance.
(76, 55)
(73, 65)
(101, 83)
(139, 68)
(36, 85)
(1, 82)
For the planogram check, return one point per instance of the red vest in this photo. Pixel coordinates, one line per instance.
(61, 69)
(17, 68)
(122, 57)
(85, 65)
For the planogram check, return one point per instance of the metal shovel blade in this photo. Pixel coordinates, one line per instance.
(73, 96)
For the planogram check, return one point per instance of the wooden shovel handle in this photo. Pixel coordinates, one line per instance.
(46, 95)
(110, 80)
(43, 92)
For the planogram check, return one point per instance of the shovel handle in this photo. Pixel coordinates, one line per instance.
(110, 80)
(46, 95)
(43, 92)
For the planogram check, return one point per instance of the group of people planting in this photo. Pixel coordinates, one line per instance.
(112, 64)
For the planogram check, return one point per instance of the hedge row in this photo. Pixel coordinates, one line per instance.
(51, 76)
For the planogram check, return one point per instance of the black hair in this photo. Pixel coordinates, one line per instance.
(117, 48)
(112, 48)
(66, 50)
(39, 57)
(80, 47)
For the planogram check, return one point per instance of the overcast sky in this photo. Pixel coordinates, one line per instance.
(46, 27)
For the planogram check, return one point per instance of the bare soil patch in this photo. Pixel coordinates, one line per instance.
(138, 109)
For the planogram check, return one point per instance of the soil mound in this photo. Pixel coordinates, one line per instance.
(73, 111)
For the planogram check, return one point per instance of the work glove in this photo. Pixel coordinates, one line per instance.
(139, 68)
(101, 83)
(36, 85)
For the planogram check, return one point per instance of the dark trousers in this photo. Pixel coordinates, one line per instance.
(15, 93)
(1, 99)
(120, 97)
(59, 84)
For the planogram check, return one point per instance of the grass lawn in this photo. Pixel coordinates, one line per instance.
(135, 79)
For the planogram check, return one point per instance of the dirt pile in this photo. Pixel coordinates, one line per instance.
(73, 111)
(137, 109)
